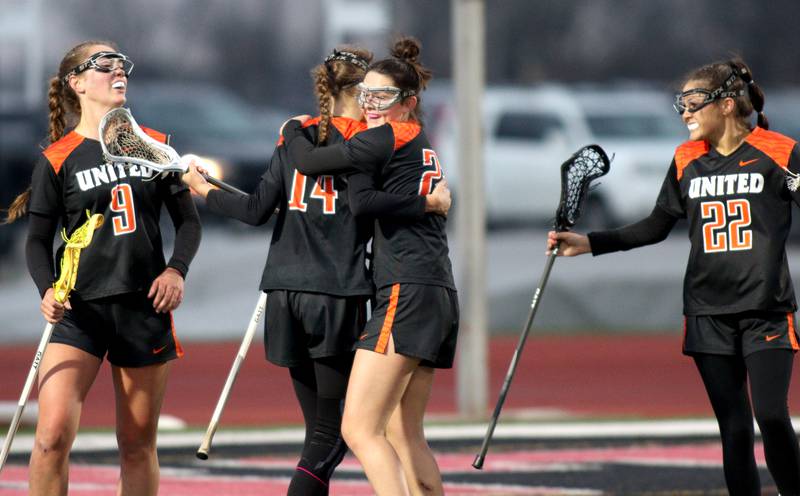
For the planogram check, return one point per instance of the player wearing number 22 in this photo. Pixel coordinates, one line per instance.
(735, 184)
(125, 290)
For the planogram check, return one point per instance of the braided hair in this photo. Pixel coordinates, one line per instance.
(64, 108)
(339, 74)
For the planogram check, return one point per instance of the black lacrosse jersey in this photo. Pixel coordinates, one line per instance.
(125, 254)
(317, 244)
(400, 161)
(739, 212)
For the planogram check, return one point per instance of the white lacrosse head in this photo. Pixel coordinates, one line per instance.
(124, 142)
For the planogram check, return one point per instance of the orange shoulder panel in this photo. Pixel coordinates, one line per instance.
(404, 132)
(160, 137)
(348, 127)
(687, 152)
(60, 150)
(311, 122)
(775, 145)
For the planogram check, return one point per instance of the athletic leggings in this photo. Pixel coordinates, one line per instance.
(320, 386)
(769, 372)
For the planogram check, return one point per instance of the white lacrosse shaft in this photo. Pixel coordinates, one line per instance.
(26, 391)
(205, 445)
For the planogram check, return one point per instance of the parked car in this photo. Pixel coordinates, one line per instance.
(235, 139)
(530, 131)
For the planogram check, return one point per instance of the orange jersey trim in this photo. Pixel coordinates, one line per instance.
(348, 127)
(311, 122)
(792, 332)
(404, 132)
(388, 321)
(775, 145)
(156, 135)
(178, 347)
(60, 150)
(687, 152)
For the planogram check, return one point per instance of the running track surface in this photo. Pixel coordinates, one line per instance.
(582, 375)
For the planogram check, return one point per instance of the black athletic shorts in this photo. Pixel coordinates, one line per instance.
(422, 320)
(740, 333)
(124, 327)
(299, 326)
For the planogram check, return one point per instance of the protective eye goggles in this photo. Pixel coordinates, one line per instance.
(381, 97)
(103, 62)
(696, 98)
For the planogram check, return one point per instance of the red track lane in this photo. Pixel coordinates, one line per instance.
(609, 375)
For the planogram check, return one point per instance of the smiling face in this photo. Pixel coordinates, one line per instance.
(707, 120)
(97, 88)
(397, 112)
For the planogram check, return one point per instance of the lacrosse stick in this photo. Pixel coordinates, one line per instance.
(124, 142)
(205, 445)
(584, 166)
(66, 282)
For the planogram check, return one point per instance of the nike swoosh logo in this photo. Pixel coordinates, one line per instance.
(363, 336)
(156, 351)
(742, 163)
(770, 338)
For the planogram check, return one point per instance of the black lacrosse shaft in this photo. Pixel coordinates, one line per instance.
(222, 185)
(478, 463)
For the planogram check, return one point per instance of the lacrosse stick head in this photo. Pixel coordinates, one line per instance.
(577, 173)
(124, 142)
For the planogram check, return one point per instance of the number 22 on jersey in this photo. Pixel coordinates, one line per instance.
(323, 190)
(122, 204)
(725, 228)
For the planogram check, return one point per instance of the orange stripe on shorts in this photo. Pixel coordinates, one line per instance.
(178, 347)
(386, 330)
(792, 333)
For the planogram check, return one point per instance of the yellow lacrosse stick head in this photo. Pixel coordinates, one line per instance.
(79, 240)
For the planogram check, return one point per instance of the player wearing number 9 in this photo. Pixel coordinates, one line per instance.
(121, 306)
(414, 325)
(735, 184)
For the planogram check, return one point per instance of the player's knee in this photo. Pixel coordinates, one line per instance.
(134, 444)
(53, 442)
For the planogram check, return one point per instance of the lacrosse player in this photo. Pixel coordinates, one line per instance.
(735, 184)
(316, 273)
(125, 291)
(414, 326)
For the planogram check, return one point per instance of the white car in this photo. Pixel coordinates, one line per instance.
(530, 132)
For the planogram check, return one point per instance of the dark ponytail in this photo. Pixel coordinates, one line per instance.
(752, 100)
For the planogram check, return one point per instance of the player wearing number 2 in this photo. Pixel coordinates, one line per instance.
(125, 291)
(735, 184)
(316, 273)
(415, 323)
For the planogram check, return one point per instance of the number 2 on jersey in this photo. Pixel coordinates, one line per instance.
(429, 158)
(122, 203)
(323, 190)
(725, 231)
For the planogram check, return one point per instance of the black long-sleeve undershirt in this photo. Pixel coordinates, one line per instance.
(254, 209)
(42, 229)
(188, 230)
(652, 229)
